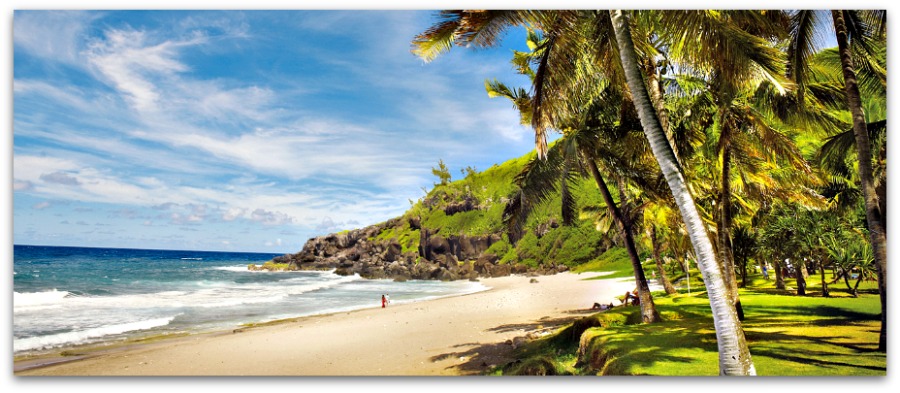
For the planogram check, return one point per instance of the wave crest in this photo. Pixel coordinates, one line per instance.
(85, 336)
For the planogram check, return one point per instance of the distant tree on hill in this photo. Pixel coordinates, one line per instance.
(442, 173)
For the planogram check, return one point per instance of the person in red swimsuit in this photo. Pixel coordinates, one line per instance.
(383, 301)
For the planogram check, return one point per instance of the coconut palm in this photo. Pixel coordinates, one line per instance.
(734, 355)
(564, 40)
(855, 32)
(656, 217)
(576, 150)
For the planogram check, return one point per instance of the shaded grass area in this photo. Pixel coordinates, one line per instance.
(788, 336)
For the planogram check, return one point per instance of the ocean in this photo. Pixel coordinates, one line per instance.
(66, 296)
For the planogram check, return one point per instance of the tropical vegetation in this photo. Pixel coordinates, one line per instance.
(728, 139)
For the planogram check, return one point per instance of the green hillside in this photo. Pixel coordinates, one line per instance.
(546, 240)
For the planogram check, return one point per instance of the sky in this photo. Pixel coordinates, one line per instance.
(240, 130)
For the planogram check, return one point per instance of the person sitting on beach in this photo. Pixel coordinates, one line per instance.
(635, 300)
(627, 298)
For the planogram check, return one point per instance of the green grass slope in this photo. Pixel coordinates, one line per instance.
(490, 190)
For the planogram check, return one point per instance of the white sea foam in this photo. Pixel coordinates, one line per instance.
(239, 268)
(34, 301)
(218, 295)
(85, 336)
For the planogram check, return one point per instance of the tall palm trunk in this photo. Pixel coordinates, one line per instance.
(726, 251)
(663, 278)
(877, 234)
(734, 355)
(648, 308)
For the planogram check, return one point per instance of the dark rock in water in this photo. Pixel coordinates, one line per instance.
(373, 273)
(343, 271)
(443, 275)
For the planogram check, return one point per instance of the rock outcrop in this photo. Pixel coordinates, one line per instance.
(361, 251)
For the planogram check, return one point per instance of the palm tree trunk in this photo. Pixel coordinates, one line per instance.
(824, 284)
(744, 272)
(659, 103)
(648, 308)
(663, 278)
(734, 355)
(726, 252)
(877, 234)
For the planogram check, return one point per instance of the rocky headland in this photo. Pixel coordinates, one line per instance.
(437, 257)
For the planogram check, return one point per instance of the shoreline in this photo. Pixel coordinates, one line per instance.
(463, 334)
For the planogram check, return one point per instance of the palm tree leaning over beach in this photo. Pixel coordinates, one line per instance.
(482, 28)
(734, 355)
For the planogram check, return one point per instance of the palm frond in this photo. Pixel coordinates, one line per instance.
(480, 28)
(805, 40)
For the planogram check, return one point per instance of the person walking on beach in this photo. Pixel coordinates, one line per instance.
(387, 299)
(383, 301)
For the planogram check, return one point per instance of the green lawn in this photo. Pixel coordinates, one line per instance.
(788, 335)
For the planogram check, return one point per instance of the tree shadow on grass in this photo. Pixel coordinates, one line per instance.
(813, 360)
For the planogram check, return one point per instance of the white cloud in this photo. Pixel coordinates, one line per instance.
(22, 185)
(60, 178)
(54, 35)
(270, 217)
(126, 59)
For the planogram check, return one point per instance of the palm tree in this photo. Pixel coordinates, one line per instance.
(734, 355)
(745, 245)
(656, 217)
(577, 147)
(855, 29)
(482, 28)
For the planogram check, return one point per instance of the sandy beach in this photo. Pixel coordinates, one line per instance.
(462, 335)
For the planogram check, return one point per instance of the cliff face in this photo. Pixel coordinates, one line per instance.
(437, 257)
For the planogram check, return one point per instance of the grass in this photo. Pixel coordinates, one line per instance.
(617, 261)
(788, 335)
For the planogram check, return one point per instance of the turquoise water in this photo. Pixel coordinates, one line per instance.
(66, 296)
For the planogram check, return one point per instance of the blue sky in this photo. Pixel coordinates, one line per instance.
(237, 130)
